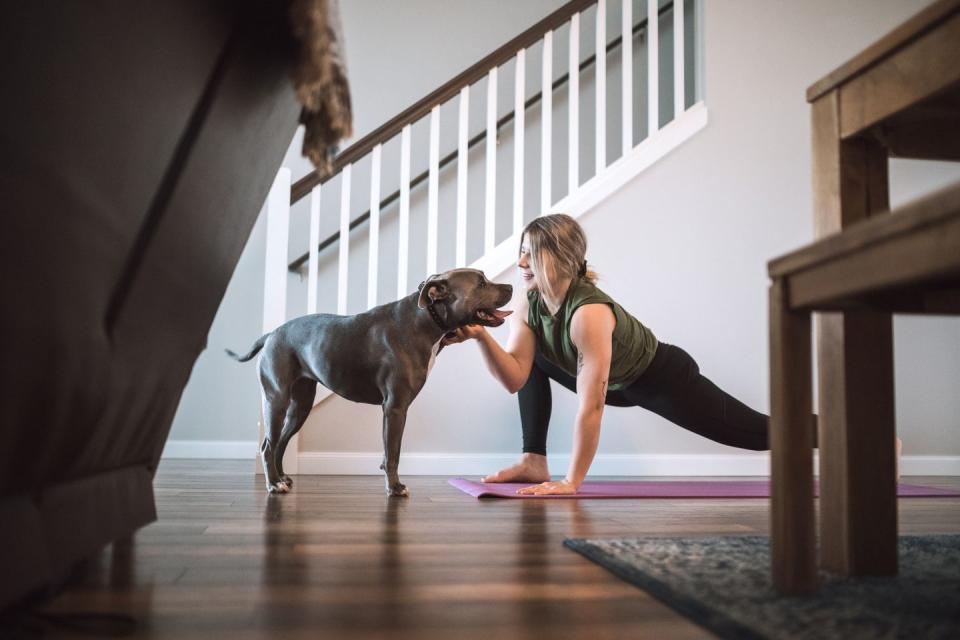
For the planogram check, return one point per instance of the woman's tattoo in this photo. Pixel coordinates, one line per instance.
(603, 394)
(603, 383)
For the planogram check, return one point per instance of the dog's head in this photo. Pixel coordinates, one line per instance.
(467, 297)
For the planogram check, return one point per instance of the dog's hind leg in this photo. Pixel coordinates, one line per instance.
(274, 411)
(301, 402)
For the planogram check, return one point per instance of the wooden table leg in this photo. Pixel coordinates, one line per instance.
(858, 508)
(792, 539)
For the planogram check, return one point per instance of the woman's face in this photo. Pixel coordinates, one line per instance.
(525, 266)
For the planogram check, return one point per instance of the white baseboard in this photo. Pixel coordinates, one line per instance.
(211, 449)
(930, 466)
(472, 464)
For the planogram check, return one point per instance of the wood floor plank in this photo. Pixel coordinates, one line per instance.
(338, 559)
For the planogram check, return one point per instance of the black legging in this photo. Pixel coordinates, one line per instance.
(672, 386)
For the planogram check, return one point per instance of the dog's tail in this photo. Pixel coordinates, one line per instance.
(254, 351)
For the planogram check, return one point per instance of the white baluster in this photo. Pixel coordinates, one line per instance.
(626, 50)
(653, 68)
(678, 97)
(546, 118)
(278, 235)
(491, 191)
(463, 127)
(601, 86)
(519, 126)
(404, 231)
(698, 64)
(573, 170)
(275, 283)
(313, 267)
(344, 238)
(372, 266)
(433, 188)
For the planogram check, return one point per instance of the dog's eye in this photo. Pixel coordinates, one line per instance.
(482, 284)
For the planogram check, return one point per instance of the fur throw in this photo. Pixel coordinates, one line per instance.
(320, 79)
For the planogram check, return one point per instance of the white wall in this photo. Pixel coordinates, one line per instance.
(359, 193)
(684, 247)
(396, 53)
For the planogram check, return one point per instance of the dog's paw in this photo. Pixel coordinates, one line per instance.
(278, 487)
(287, 480)
(398, 490)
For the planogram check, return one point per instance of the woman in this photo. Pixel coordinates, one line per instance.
(567, 329)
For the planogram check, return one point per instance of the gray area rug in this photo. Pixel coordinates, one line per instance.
(723, 584)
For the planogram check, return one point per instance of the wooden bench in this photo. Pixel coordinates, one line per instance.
(899, 98)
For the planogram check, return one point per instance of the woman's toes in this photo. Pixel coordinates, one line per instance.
(519, 473)
(504, 475)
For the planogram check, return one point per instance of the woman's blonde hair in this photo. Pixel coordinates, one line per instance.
(558, 248)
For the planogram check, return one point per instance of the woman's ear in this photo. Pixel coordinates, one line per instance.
(434, 290)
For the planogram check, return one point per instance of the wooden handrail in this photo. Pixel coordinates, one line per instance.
(303, 186)
(423, 106)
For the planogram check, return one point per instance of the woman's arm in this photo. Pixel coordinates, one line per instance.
(511, 366)
(591, 331)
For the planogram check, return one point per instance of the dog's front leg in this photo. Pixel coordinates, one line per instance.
(394, 419)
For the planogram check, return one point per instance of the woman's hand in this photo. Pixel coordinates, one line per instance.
(469, 332)
(552, 488)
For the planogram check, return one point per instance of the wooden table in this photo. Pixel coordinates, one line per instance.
(898, 98)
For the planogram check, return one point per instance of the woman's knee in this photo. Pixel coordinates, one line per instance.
(618, 399)
(553, 372)
(537, 382)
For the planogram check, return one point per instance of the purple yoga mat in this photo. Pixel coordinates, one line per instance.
(666, 489)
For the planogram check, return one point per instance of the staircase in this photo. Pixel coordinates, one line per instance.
(649, 63)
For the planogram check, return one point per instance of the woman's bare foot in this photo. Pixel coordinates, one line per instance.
(531, 468)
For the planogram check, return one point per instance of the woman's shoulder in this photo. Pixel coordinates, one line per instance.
(591, 306)
(590, 313)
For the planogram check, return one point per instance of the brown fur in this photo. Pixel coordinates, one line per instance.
(320, 79)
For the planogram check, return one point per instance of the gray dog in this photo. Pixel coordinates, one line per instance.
(380, 357)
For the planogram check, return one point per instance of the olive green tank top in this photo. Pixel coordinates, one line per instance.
(634, 345)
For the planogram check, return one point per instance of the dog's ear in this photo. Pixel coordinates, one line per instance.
(435, 290)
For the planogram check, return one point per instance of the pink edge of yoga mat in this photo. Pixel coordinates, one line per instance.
(666, 489)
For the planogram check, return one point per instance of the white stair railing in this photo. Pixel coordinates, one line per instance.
(496, 256)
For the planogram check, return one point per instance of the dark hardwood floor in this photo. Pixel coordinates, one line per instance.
(336, 558)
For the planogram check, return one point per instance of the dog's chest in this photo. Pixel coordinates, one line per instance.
(433, 356)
